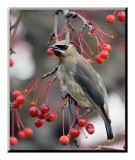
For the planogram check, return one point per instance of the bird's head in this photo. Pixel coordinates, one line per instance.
(63, 49)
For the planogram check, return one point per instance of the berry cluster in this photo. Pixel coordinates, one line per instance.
(19, 99)
(77, 39)
(111, 17)
(41, 114)
(23, 132)
(75, 132)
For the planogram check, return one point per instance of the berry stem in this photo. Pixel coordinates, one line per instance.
(87, 46)
(33, 82)
(18, 125)
(19, 119)
(55, 106)
(114, 12)
(13, 122)
(49, 90)
(41, 89)
(63, 120)
(83, 132)
(72, 124)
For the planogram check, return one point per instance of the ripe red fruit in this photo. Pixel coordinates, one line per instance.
(15, 94)
(13, 141)
(33, 111)
(20, 99)
(90, 128)
(74, 132)
(51, 117)
(39, 123)
(110, 18)
(107, 47)
(50, 52)
(44, 108)
(28, 132)
(82, 122)
(32, 104)
(11, 63)
(16, 104)
(121, 16)
(104, 54)
(99, 60)
(21, 134)
(64, 140)
(89, 125)
(40, 115)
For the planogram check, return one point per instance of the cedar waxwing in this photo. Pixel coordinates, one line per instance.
(79, 79)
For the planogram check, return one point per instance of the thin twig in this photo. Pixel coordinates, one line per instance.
(66, 21)
(103, 147)
(15, 28)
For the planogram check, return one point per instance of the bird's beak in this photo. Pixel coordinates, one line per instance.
(56, 50)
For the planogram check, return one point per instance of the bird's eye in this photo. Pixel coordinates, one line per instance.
(62, 47)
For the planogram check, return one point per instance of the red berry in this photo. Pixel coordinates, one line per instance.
(44, 108)
(124, 146)
(32, 104)
(121, 16)
(89, 125)
(40, 115)
(21, 134)
(20, 99)
(50, 52)
(107, 47)
(74, 132)
(64, 140)
(28, 132)
(39, 123)
(89, 60)
(13, 141)
(90, 128)
(99, 60)
(82, 122)
(11, 63)
(15, 94)
(33, 111)
(110, 18)
(51, 117)
(104, 54)
(16, 104)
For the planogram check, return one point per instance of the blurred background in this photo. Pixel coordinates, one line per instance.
(31, 60)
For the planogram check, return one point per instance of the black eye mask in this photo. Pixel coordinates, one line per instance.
(62, 47)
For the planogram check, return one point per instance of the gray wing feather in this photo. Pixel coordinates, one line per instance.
(89, 80)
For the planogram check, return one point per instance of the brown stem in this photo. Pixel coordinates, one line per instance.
(68, 32)
(15, 28)
(56, 27)
(103, 147)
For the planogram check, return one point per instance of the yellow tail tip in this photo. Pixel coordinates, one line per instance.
(111, 140)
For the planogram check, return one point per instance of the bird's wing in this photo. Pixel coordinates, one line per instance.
(92, 85)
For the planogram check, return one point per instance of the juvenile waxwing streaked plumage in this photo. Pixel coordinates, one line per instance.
(82, 82)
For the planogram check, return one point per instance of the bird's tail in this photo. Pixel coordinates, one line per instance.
(109, 132)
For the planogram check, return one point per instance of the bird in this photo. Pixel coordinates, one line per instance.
(79, 79)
